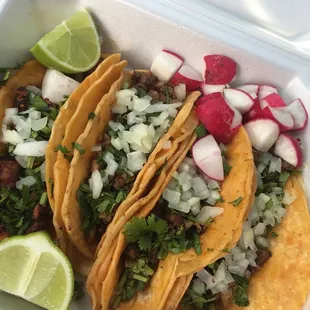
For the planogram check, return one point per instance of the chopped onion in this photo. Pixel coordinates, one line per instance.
(288, 198)
(95, 183)
(116, 126)
(160, 107)
(35, 114)
(11, 136)
(213, 185)
(135, 161)
(116, 142)
(43, 170)
(125, 146)
(261, 201)
(180, 206)
(9, 112)
(199, 287)
(208, 212)
(159, 120)
(185, 180)
(140, 148)
(96, 148)
(263, 242)
(147, 142)
(172, 196)
(36, 149)
(189, 161)
(50, 123)
(112, 164)
(268, 218)
(200, 188)
(172, 112)
(131, 117)
(28, 181)
(180, 91)
(22, 161)
(237, 253)
(167, 145)
(215, 195)
(259, 229)
(261, 167)
(259, 180)
(185, 196)
(211, 201)
(119, 109)
(141, 104)
(194, 203)
(207, 278)
(39, 124)
(34, 89)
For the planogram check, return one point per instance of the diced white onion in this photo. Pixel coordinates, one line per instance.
(215, 195)
(34, 89)
(50, 123)
(199, 287)
(11, 136)
(160, 107)
(172, 196)
(116, 126)
(119, 109)
(159, 120)
(125, 96)
(135, 161)
(141, 104)
(208, 212)
(185, 180)
(172, 112)
(39, 124)
(95, 184)
(112, 164)
(125, 146)
(22, 161)
(180, 91)
(288, 198)
(259, 229)
(200, 188)
(116, 142)
(185, 196)
(213, 185)
(43, 171)
(9, 112)
(207, 278)
(33, 114)
(263, 242)
(28, 181)
(194, 203)
(180, 206)
(166, 145)
(36, 149)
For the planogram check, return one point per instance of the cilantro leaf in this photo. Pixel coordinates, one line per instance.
(78, 147)
(145, 243)
(227, 169)
(240, 297)
(91, 115)
(236, 202)
(78, 290)
(201, 131)
(62, 149)
(274, 234)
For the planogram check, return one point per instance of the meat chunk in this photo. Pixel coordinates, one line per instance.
(174, 219)
(120, 181)
(42, 219)
(226, 296)
(9, 172)
(22, 99)
(131, 254)
(262, 257)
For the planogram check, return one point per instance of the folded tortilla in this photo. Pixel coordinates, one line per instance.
(223, 232)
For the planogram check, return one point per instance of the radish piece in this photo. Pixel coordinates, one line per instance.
(165, 65)
(208, 157)
(299, 114)
(265, 90)
(255, 112)
(218, 118)
(281, 116)
(273, 100)
(210, 89)
(249, 88)
(207, 97)
(288, 149)
(263, 133)
(189, 76)
(219, 69)
(239, 99)
(237, 119)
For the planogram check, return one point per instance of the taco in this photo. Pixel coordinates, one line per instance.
(268, 268)
(122, 142)
(154, 250)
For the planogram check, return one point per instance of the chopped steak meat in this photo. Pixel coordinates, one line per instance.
(22, 99)
(9, 172)
(262, 257)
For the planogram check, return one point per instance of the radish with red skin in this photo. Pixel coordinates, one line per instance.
(299, 114)
(288, 149)
(219, 69)
(165, 65)
(219, 119)
(265, 90)
(281, 116)
(255, 112)
(249, 88)
(273, 100)
(208, 157)
(207, 89)
(239, 99)
(203, 99)
(263, 133)
(188, 76)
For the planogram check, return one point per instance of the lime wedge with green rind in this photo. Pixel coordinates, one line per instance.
(71, 47)
(33, 268)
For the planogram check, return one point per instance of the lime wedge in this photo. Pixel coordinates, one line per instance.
(71, 47)
(33, 268)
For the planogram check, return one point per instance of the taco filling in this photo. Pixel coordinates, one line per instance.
(26, 130)
(141, 116)
(181, 215)
(226, 281)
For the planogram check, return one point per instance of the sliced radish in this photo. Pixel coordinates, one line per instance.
(189, 76)
(210, 89)
(281, 116)
(263, 133)
(207, 156)
(219, 69)
(288, 149)
(299, 114)
(165, 65)
(249, 88)
(239, 99)
(208, 97)
(265, 90)
(255, 112)
(237, 119)
(219, 119)
(273, 100)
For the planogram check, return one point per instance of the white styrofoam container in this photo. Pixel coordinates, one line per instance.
(268, 44)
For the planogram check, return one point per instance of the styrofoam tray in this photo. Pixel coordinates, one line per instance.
(141, 28)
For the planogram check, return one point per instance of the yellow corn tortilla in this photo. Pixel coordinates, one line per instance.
(186, 123)
(32, 73)
(284, 281)
(240, 182)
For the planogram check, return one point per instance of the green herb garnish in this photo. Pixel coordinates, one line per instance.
(78, 147)
(274, 234)
(236, 202)
(78, 290)
(240, 297)
(91, 115)
(201, 131)
(62, 149)
(227, 169)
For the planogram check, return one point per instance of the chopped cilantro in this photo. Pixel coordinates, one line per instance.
(201, 131)
(78, 290)
(78, 147)
(226, 250)
(283, 178)
(62, 149)
(236, 202)
(273, 234)
(240, 297)
(210, 249)
(227, 169)
(91, 115)
(220, 199)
